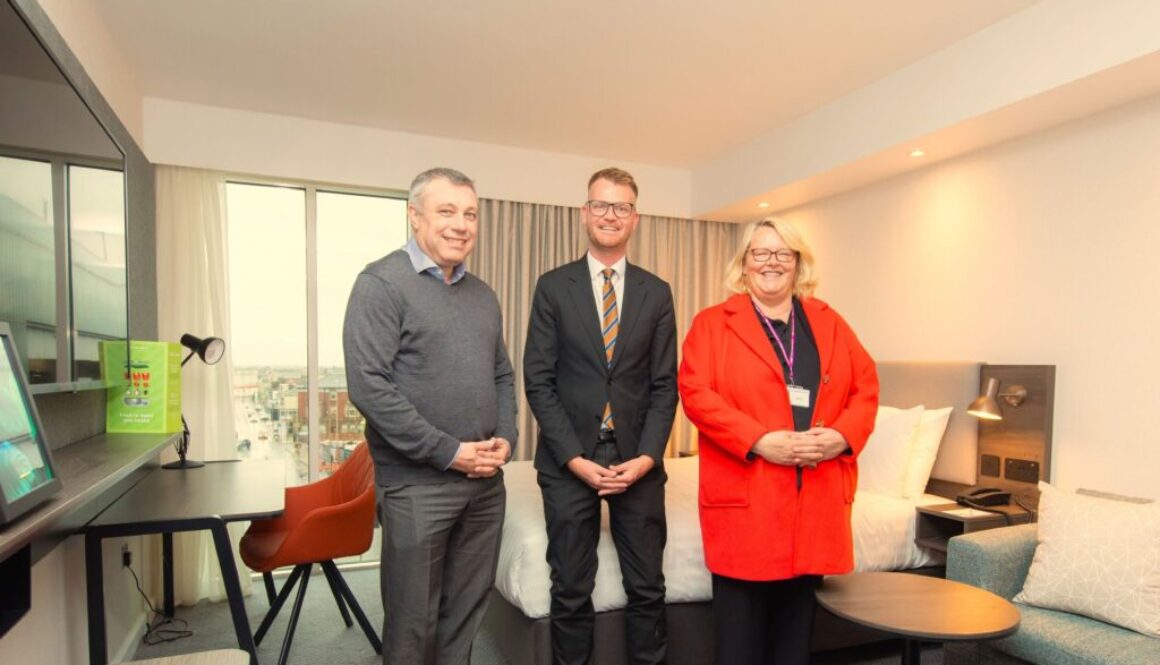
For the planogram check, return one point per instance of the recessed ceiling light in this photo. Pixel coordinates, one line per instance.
(763, 204)
(917, 153)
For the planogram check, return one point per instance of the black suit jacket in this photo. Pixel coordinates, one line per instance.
(567, 379)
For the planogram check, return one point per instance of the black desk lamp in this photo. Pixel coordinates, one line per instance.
(210, 350)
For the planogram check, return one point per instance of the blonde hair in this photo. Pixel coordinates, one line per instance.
(805, 281)
(615, 176)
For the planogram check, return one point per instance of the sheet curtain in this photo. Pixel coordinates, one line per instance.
(193, 297)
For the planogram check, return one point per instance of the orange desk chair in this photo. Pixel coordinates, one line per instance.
(323, 521)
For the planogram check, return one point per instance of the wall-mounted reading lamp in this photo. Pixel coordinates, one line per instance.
(986, 406)
(210, 350)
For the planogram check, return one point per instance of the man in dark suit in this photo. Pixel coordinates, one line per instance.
(600, 370)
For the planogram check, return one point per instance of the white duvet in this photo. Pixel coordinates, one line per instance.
(883, 540)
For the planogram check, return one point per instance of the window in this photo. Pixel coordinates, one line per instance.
(28, 263)
(294, 253)
(97, 236)
(353, 230)
(62, 263)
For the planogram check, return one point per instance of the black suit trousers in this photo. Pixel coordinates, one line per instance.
(637, 520)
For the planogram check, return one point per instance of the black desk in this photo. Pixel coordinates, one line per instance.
(95, 473)
(170, 500)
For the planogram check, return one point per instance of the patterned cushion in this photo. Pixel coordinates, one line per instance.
(1097, 557)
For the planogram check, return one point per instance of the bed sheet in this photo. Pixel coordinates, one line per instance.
(883, 540)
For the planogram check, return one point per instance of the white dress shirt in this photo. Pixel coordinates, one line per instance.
(594, 270)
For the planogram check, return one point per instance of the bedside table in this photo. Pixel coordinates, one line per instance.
(936, 524)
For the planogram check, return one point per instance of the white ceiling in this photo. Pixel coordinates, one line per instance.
(665, 82)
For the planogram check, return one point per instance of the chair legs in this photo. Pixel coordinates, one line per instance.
(342, 596)
(271, 593)
(337, 594)
(276, 606)
(336, 579)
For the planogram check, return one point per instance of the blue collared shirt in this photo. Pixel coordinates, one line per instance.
(423, 263)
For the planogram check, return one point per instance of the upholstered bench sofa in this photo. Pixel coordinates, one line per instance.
(998, 560)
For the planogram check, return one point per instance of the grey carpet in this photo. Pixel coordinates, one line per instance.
(321, 637)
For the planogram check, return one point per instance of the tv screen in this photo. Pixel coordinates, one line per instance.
(27, 477)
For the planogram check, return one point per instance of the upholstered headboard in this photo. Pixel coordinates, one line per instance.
(935, 385)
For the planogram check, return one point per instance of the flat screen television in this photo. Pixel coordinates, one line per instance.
(27, 476)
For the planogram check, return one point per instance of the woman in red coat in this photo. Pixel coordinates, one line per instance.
(784, 397)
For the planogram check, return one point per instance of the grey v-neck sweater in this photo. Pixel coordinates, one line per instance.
(426, 365)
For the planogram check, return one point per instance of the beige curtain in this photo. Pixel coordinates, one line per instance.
(193, 297)
(518, 242)
(691, 256)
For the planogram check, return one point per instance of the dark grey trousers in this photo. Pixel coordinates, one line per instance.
(440, 548)
(637, 521)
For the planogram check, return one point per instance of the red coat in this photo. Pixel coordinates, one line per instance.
(755, 524)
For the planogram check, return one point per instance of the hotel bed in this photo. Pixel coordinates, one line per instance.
(883, 539)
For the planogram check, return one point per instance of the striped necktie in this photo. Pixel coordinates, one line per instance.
(609, 326)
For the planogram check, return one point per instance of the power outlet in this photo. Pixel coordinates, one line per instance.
(126, 556)
(1021, 470)
(989, 465)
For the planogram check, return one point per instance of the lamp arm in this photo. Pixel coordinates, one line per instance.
(187, 358)
(183, 444)
(1014, 395)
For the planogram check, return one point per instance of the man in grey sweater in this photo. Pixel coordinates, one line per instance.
(427, 367)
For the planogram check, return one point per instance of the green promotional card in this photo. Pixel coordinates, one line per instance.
(147, 397)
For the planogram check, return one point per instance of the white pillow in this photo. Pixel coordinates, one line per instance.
(1097, 557)
(924, 450)
(882, 464)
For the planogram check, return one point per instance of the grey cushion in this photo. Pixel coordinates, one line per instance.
(1059, 638)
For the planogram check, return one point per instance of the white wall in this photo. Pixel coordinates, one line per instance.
(55, 630)
(283, 146)
(1044, 250)
(1033, 53)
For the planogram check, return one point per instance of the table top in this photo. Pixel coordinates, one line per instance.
(237, 490)
(919, 606)
(89, 470)
(1016, 513)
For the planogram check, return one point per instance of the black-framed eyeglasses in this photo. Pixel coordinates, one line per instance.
(761, 255)
(600, 208)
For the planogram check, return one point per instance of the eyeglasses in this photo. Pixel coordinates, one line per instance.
(761, 255)
(600, 208)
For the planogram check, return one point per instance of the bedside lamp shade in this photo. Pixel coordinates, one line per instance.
(987, 408)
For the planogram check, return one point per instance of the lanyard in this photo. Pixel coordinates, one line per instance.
(789, 357)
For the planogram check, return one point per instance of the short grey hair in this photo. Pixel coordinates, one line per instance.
(439, 173)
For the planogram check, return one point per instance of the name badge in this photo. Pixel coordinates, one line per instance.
(799, 396)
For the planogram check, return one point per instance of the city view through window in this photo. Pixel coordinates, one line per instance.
(294, 255)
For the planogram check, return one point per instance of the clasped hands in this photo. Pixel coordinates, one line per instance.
(615, 479)
(482, 459)
(800, 448)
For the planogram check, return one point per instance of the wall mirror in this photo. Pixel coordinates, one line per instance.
(63, 286)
